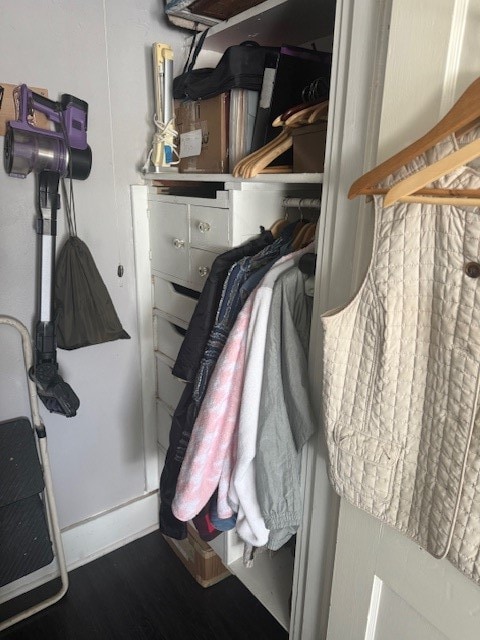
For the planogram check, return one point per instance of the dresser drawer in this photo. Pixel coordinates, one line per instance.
(173, 303)
(209, 227)
(164, 422)
(169, 239)
(168, 337)
(169, 388)
(201, 263)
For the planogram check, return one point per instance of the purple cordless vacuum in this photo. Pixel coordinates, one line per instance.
(51, 155)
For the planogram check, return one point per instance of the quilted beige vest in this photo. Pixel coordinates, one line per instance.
(402, 372)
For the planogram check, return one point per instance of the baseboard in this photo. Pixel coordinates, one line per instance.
(93, 538)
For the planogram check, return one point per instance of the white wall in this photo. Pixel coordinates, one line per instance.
(98, 50)
(452, 54)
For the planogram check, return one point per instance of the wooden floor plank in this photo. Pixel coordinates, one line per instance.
(143, 592)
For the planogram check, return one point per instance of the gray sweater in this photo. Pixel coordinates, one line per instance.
(286, 419)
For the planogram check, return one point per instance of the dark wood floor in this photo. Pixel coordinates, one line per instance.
(143, 592)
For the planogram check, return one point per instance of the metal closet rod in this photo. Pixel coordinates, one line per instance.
(302, 203)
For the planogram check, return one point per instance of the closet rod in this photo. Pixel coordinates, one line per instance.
(302, 203)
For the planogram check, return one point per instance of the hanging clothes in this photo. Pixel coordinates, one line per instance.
(212, 448)
(201, 323)
(402, 374)
(186, 367)
(236, 288)
(242, 494)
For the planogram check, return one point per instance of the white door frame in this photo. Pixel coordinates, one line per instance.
(432, 64)
(360, 49)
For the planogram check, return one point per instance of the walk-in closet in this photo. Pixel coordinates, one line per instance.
(186, 220)
(158, 235)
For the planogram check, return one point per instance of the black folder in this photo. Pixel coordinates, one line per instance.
(288, 74)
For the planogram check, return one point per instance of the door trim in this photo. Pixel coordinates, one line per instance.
(360, 50)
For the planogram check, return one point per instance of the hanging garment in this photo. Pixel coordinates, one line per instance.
(238, 285)
(234, 293)
(186, 367)
(209, 456)
(401, 374)
(212, 447)
(286, 420)
(201, 322)
(242, 493)
(236, 289)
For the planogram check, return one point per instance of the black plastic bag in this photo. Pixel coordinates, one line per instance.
(241, 67)
(84, 311)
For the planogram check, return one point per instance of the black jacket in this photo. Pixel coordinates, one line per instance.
(203, 318)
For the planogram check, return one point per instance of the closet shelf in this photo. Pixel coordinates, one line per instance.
(281, 178)
(303, 20)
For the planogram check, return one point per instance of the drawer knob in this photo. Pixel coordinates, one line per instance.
(204, 227)
(203, 271)
(178, 244)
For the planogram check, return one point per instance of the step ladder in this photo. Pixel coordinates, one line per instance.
(28, 515)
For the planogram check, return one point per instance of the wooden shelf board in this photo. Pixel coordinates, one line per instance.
(281, 178)
(267, 23)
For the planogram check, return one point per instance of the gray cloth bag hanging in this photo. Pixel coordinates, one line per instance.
(84, 311)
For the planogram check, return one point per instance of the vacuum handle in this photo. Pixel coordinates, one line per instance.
(43, 104)
(29, 100)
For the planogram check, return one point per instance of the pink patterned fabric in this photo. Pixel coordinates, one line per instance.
(210, 455)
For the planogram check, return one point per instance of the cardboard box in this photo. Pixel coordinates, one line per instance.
(199, 558)
(309, 148)
(203, 134)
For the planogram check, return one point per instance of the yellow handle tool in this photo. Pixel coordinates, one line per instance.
(163, 150)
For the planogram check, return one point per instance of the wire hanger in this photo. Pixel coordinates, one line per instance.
(464, 114)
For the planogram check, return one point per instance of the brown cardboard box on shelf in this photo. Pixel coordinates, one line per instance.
(309, 148)
(203, 134)
(199, 558)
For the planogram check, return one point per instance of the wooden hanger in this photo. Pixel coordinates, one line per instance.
(299, 229)
(301, 112)
(277, 226)
(403, 189)
(464, 114)
(253, 164)
(279, 168)
(241, 169)
(298, 240)
(309, 235)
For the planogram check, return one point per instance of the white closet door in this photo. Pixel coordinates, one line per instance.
(384, 586)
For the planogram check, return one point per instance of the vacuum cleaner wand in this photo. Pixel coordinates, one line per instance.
(52, 155)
